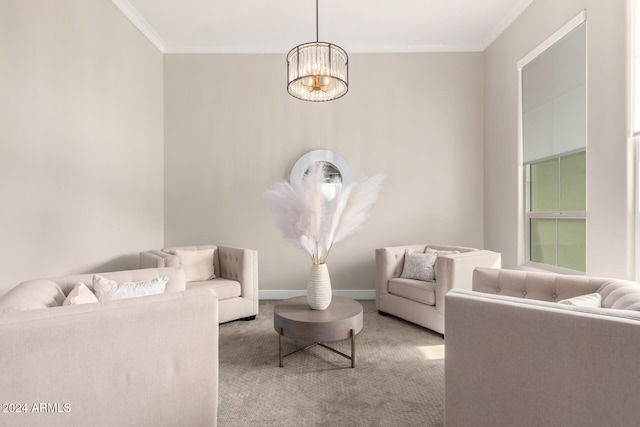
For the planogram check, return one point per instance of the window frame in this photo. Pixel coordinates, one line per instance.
(525, 214)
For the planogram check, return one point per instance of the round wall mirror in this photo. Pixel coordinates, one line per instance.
(337, 170)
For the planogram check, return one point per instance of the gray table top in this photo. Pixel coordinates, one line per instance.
(298, 321)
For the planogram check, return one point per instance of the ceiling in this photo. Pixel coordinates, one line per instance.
(276, 26)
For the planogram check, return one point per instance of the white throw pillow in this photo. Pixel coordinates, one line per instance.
(80, 294)
(419, 266)
(589, 300)
(197, 264)
(107, 290)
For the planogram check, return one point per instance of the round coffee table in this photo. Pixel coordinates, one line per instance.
(293, 318)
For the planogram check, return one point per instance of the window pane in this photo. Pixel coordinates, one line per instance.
(544, 186)
(554, 93)
(572, 244)
(543, 241)
(573, 181)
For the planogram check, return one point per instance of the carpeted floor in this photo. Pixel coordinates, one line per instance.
(398, 379)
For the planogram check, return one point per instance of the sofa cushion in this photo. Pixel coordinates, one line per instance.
(620, 294)
(80, 294)
(419, 266)
(589, 300)
(416, 290)
(32, 295)
(224, 288)
(197, 264)
(107, 290)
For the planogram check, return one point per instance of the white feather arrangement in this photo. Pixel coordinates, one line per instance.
(308, 220)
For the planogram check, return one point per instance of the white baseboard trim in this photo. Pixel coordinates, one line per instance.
(361, 294)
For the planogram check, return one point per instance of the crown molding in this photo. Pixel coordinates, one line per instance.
(508, 19)
(140, 23)
(185, 48)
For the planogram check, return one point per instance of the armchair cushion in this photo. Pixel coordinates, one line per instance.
(415, 290)
(197, 263)
(224, 288)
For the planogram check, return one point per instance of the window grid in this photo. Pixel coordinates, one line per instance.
(554, 214)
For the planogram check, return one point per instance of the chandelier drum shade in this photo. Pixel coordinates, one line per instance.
(317, 71)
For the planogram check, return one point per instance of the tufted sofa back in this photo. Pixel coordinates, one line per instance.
(534, 285)
(616, 294)
(51, 292)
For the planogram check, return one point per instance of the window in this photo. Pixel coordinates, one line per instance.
(554, 150)
(556, 211)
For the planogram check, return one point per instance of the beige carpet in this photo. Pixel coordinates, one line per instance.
(398, 379)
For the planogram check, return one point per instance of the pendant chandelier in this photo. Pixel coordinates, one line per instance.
(317, 71)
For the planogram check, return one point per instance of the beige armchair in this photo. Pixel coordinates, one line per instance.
(235, 282)
(422, 302)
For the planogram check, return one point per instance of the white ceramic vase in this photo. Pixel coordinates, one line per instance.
(319, 287)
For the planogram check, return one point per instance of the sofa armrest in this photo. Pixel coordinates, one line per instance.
(240, 265)
(153, 259)
(456, 271)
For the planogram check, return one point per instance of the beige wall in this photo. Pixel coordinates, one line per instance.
(231, 131)
(81, 139)
(81, 145)
(610, 205)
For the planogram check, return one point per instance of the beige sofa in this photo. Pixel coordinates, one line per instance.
(515, 357)
(420, 302)
(147, 361)
(236, 281)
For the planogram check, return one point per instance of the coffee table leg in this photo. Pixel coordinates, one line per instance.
(353, 349)
(280, 347)
(281, 354)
